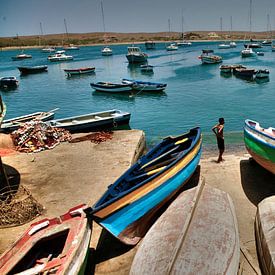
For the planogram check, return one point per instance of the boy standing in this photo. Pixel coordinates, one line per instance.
(218, 130)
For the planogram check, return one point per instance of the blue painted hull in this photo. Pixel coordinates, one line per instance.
(125, 217)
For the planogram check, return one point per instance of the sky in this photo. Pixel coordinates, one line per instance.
(23, 17)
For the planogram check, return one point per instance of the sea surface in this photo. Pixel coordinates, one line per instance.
(196, 94)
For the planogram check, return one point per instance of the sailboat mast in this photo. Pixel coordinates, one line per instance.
(41, 33)
(250, 15)
(103, 19)
(66, 29)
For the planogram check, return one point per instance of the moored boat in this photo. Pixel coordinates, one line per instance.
(70, 47)
(107, 51)
(226, 69)
(262, 73)
(260, 143)
(247, 52)
(60, 56)
(12, 124)
(79, 71)
(172, 47)
(21, 56)
(197, 234)
(128, 206)
(48, 49)
(135, 55)
(33, 69)
(146, 68)
(93, 121)
(51, 246)
(150, 45)
(8, 82)
(207, 57)
(265, 234)
(244, 72)
(139, 85)
(260, 53)
(224, 46)
(110, 87)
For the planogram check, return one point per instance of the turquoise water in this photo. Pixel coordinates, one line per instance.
(196, 95)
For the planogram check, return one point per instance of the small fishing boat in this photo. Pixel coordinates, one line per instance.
(172, 47)
(60, 56)
(207, 57)
(248, 52)
(51, 246)
(197, 234)
(146, 68)
(107, 51)
(135, 55)
(253, 45)
(237, 66)
(262, 73)
(244, 72)
(226, 69)
(21, 56)
(139, 85)
(33, 69)
(260, 53)
(266, 43)
(260, 143)
(79, 71)
(111, 87)
(92, 121)
(8, 82)
(9, 125)
(128, 206)
(265, 234)
(150, 45)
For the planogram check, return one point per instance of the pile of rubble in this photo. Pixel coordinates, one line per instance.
(36, 136)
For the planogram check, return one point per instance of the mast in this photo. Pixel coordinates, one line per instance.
(66, 29)
(250, 15)
(103, 19)
(182, 21)
(41, 33)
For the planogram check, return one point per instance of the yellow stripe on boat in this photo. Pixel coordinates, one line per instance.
(181, 141)
(155, 171)
(149, 186)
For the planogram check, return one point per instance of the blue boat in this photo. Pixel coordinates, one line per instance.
(145, 86)
(128, 206)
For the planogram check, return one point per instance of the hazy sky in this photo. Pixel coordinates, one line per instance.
(23, 17)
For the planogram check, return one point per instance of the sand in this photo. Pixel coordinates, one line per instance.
(71, 174)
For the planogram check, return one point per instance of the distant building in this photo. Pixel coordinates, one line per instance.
(212, 35)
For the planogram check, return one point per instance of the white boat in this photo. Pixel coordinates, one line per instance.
(106, 51)
(111, 87)
(135, 55)
(71, 47)
(224, 46)
(48, 50)
(265, 234)
(248, 52)
(21, 56)
(197, 234)
(207, 57)
(184, 43)
(172, 47)
(60, 56)
(233, 44)
(145, 86)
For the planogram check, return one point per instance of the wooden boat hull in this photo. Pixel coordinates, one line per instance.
(13, 124)
(145, 85)
(265, 234)
(93, 121)
(134, 58)
(260, 145)
(211, 59)
(58, 245)
(245, 73)
(111, 87)
(197, 234)
(128, 216)
(32, 70)
(80, 71)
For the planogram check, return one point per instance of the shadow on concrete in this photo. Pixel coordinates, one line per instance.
(13, 179)
(109, 247)
(257, 182)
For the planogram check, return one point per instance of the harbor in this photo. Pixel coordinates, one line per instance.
(72, 173)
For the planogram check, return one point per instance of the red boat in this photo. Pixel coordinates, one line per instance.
(79, 71)
(51, 246)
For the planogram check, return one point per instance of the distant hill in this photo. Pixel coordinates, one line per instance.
(112, 38)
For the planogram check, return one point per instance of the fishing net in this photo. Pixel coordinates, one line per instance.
(17, 207)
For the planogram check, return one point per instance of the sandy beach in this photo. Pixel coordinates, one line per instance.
(71, 174)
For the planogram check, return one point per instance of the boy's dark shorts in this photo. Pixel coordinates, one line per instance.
(220, 142)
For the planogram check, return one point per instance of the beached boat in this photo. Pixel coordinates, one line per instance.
(197, 234)
(244, 72)
(21, 56)
(92, 121)
(207, 57)
(135, 55)
(139, 85)
(12, 124)
(33, 69)
(260, 143)
(150, 45)
(106, 51)
(110, 87)
(248, 52)
(146, 68)
(262, 73)
(128, 206)
(172, 47)
(8, 82)
(60, 56)
(79, 71)
(265, 234)
(51, 246)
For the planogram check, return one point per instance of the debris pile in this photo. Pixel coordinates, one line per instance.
(95, 137)
(35, 136)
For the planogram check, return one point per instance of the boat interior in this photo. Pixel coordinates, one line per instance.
(44, 251)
